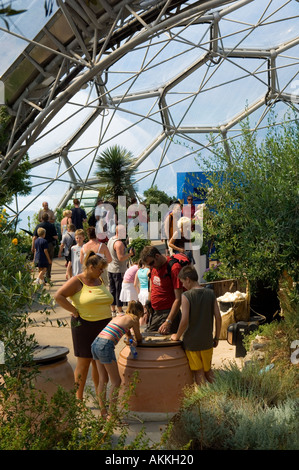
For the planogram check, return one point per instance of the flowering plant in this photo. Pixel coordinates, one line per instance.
(213, 274)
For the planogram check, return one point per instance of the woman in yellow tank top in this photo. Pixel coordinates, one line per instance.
(88, 300)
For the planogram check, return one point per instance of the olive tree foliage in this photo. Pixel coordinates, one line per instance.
(252, 204)
(18, 294)
(7, 10)
(153, 195)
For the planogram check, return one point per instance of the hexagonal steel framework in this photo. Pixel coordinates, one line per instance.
(154, 76)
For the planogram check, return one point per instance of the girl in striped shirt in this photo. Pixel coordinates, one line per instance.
(103, 351)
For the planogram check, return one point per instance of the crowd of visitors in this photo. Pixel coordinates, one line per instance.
(161, 291)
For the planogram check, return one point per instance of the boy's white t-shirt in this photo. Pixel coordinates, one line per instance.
(75, 260)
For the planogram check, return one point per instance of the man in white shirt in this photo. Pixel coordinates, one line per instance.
(117, 267)
(48, 211)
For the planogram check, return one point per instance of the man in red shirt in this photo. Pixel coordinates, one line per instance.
(165, 290)
(189, 210)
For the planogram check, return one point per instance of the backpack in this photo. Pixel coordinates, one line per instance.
(68, 257)
(92, 220)
(181, 258)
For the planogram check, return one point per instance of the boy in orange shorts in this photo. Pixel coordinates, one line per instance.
(199, 307)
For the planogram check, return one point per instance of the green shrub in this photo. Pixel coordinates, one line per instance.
(138, 244)
(268, 428)
(243, 409)
(32, 421)
(18, 296)
(223, 424)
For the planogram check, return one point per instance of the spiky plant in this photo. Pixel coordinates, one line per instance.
(115, 171)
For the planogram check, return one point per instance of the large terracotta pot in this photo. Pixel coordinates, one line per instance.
(54, 369)
(163, 372)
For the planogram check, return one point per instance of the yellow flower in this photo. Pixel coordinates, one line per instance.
(1, 216)
(14, 241)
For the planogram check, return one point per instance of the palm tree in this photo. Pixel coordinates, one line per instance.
(115, 171)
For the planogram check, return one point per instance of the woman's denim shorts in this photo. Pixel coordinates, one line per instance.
(103, 350)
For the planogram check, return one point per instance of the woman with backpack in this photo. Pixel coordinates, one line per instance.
(68, 240)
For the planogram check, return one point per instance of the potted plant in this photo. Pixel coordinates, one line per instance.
(138, 244)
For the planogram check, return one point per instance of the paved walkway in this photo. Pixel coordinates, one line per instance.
(50, 333)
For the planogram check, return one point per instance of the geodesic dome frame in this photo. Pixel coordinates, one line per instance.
(168, 71)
